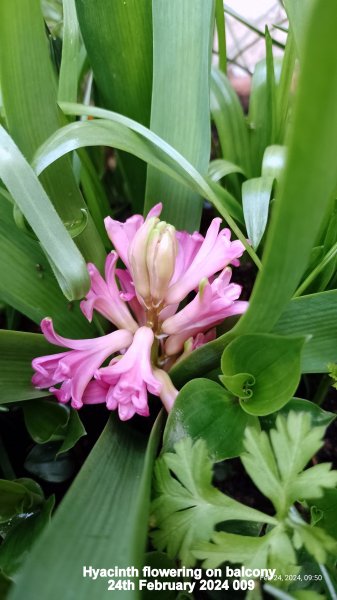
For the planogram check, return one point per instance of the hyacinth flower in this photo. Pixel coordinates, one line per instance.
(142, 301)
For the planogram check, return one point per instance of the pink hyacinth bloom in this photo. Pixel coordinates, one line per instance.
(128, 294)
(215, 253)
(105, 297)
(122, 234)
(131, 376)
(75, 369)
(168, 392)
(213, 303)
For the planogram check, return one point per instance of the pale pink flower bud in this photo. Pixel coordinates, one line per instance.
(137, 260)
(168, 392)
(160, 259)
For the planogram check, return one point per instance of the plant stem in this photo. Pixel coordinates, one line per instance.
(5, 465)
(328, 582)
(322, 390)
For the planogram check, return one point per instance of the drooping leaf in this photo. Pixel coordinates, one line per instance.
(203, 409)
(17, 497)
(262, 370)
(45, 420)
(43, 462)
(255, 201)
(65, 259)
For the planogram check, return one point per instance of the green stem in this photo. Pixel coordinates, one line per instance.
(324, 262)
(328, 582)
(322, 390)
(221, 31)
(5, 465)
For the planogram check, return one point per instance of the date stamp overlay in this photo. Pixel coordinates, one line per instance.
(152, 579)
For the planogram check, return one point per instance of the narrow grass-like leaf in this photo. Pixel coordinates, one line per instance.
(230, 122)
(28, 284)
(103, 519)
(17, 350)
(313, 315)
(283, 92)
(249, 24)
(121, 58)
(67, 90)
(29, 91)
(180, 101)
(309, 177)
(21, 181)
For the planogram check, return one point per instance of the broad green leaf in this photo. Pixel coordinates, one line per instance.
(118, 39)
(45, 420)
(318, 416)
(187, 507)
(327, 507)
(275, 462)
(274, 161)
(230, 122)
(316, 541)
(29, 91)
(103, 517)
(17, 350)
(203, 409)
(309, 175)
(18, 497)
(21, 537)
(255, 202)
(43, 462)
(65, 259)
(262, 370)
(180, 101)
(313, 315)
(299, 14)
(75, 430)
(28, 284)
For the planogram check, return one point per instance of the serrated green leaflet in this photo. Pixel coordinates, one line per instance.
(103, 519)
(180, 101)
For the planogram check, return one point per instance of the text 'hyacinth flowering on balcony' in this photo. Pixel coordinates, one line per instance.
(142, 301)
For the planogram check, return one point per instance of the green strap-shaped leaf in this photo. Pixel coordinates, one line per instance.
(102, 522)
(67, 90)
(28, 284)
(118, 38)
(180, 101)
(309, 315)
(29, 93)
(309, 178)
(17, 350)
(66, 261)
